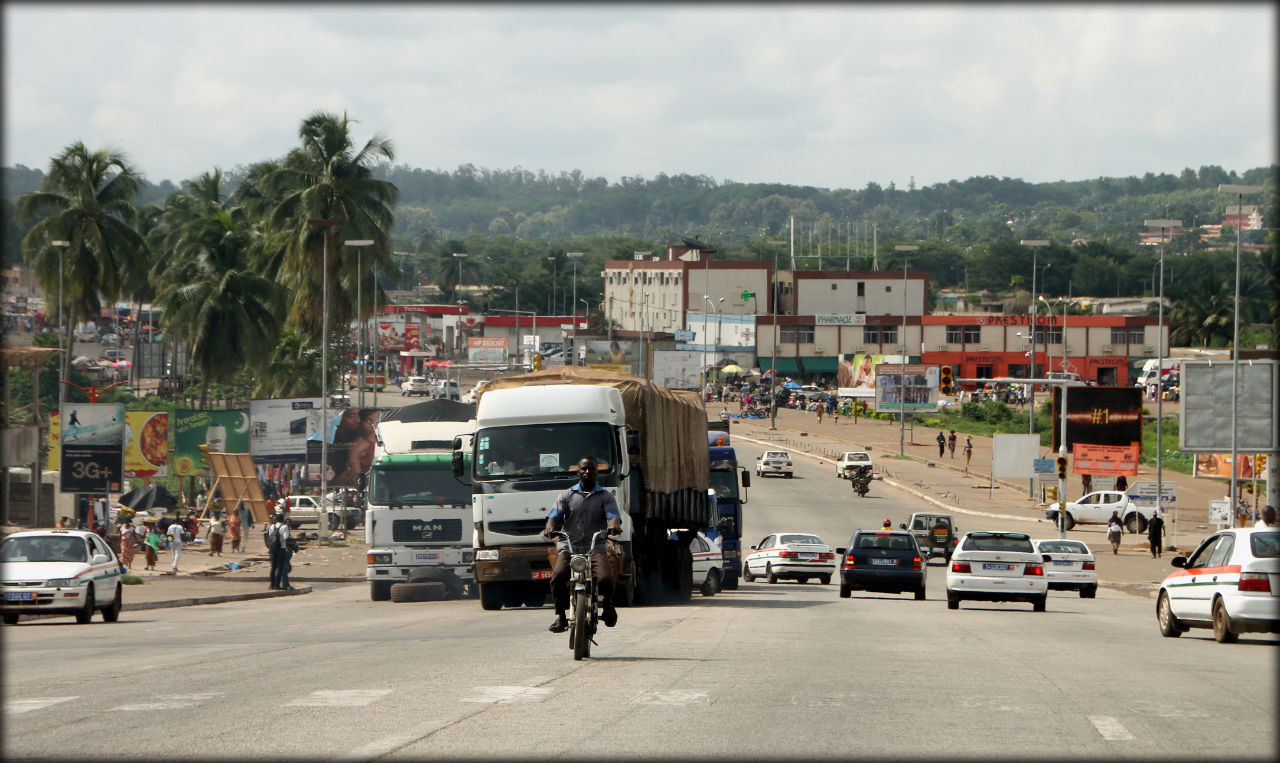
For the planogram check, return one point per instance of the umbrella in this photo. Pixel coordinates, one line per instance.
(148, 496)
(445, 363)
(732, 368)
(120, 364)
(791, 385)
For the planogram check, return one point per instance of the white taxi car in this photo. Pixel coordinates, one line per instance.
(1071, 566)
(793, 556)
(997, 566)
(59, 572)
(774, 462)
(708, 561)
(851, 460)
(1230, 583)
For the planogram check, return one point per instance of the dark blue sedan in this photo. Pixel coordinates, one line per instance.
(883, 561)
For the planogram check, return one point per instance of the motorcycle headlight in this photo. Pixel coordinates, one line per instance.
(63, 583)
(580, 564)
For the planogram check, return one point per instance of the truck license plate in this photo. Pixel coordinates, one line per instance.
(541, 574)
(426, 556)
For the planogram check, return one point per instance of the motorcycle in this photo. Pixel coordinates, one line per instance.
(583, 599)
(861, 482)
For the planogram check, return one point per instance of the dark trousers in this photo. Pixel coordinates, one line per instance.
(1157, 545)
(601, 570)
(280, 567)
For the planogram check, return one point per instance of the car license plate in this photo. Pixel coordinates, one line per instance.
(884, 562)
(426, 556)
(541, 574)
(993, 566)
(1062, 564)
(19, 595)
(807, 556)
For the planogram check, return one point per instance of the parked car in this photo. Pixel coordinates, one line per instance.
(1096, 508)
(883, 561)
(793, 556)
(708, 561)
(308, 508)
(446, 389)
(1230, 583)
(113, 356)
(935, 533)
(848, 462)
(1071, 566)
(997, 566)
(60, 572)
(415, 385)
(110, 340)
(777, 462)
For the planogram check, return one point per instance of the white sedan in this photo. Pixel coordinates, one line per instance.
(774, 462)
(1071, 566)
(708, 562)
(850, 461)
(415, 385)
(69, 572)
(1230, 583)
(997, 566)
(790, 556)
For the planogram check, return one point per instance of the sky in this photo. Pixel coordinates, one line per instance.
(826, 95)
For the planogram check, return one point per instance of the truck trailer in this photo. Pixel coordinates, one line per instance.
(531, 431)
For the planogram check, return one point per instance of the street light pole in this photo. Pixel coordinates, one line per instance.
(324, 366)
(62, 361)
(574, 256)
(902, 360)
(1164, 226)
(773, 365)
(555, 271)
(1239, 191)
(359, 245)
(1035, 244)
(586, 318)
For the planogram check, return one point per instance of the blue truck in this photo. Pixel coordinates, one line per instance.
(730, 494)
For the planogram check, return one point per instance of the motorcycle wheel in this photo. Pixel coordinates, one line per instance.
(579, 639)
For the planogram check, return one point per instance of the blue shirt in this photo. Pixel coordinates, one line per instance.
(582, 514)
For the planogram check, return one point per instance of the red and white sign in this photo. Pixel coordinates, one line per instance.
(1106, 460)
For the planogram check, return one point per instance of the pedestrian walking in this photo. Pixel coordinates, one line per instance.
(821, 406)
(951, 443)
(1114, 531)
(1086, 482)
(234, 529)
(968, 452)
(278, 538)
(177, 534)
(128, 544)
(1155, 534)
(217, 528)
(151, 542)
(1122, 484)
(942, 443)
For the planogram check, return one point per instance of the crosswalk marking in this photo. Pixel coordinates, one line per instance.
(676, 697)
(168, 702)
(1110, 728)
(340, 698)
(505, 695)
(16, 706)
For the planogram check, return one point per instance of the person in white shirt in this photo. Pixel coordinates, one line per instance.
(1268, 517)
(175, 534)
(279, 537)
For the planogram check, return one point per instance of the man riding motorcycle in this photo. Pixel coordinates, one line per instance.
(861, 479)
(582, 510)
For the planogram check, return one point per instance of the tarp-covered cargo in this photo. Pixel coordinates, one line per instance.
(672, 423)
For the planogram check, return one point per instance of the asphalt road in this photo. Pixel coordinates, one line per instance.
(763, 672)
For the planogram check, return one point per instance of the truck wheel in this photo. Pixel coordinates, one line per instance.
(534, 599)
(403, 592)
(379, 590)
(1135, 523)
(490, 596)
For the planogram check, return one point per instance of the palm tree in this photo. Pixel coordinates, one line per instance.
(1202, 313)
(87, 200)
(293, 370)
(326, 178)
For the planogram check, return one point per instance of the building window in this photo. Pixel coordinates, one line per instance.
(955, 334)
(833, 287)
(1136, 335)
(795, 334)
(1118, 334)
(1019, 370)
(871, 335)
(889, 334)
(972, 334)
(1055, 335)
(862, 288)
(888, 290)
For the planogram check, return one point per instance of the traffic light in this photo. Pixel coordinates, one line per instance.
(204, 454)
(1062, 467)
(946, 382)
(537, 361)
(485, 310)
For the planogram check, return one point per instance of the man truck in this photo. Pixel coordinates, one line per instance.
(531, 431)
(418, 520)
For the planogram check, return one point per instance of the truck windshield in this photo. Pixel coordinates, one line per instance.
(542, 451)
(725, 483)
(435, 487)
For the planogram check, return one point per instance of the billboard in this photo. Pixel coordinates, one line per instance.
(350, 434)
(858, 372)
(1014, 455)
(1105, 460)
(1219, 465)
(1206, 406)
(278, 429)
(92, 442)
(402, 333)
(920, 392)
(487, 349)
(611, 355)
(223, 431)
(677, 369)
(1099, 416)
(146, 443)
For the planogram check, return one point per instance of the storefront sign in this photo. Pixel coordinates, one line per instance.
(841, 319)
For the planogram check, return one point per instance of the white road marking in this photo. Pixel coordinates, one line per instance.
(1110, 728)
(16, 706)
(340, 698)
(506, 695)
(676, 697)
(145, 706)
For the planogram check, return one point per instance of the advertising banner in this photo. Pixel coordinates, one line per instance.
(1099, 416)
(487, 349)
(92, 442)
(1144, 494)
(1014, 455)
(919, 394)
(55, 442)
(858, 372)
(1206, 406)
(278, 429)
(1219, 465)
(1108, 460)
(677, 369)
(399, 333)
(611, 355)
(146, 443)
(223, 431)
(351, 438)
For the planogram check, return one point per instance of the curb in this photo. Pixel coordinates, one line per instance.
(195, 600)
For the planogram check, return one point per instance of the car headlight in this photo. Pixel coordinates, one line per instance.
(580, 564)
(487, 555)
(63, 583)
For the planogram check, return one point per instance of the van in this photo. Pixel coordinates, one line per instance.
(445, 388)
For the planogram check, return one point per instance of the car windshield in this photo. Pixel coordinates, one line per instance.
(43, 549)
(857, 457)
(1265, 545)
(990, 542)
(543, 451)
(1063, 547)
(802, 539)
(725, 483)
(436, 487)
